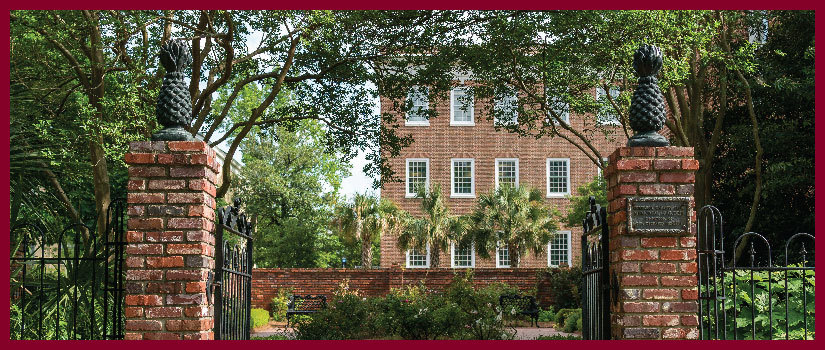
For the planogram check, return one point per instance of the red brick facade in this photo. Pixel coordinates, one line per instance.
(440, 142)
(170, 240)
(377, 282)
(656, 273)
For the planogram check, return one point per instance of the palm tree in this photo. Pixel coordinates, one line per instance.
(436, 228)
(513, 216)
(366, 219)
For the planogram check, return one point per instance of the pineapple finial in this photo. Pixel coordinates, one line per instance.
(174, 108)
(647, 61)
(174, 55)
(647, 107)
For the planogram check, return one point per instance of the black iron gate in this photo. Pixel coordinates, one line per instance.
(754, 299)
(595, 274)
(233, 281)
(68, 285)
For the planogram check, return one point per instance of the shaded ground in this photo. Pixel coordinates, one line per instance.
(522, 333)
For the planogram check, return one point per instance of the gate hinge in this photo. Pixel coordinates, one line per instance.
(211, 284)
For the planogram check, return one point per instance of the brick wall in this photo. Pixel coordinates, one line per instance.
(378, 282)
(656, 272)
(440, 142)
(170, 239)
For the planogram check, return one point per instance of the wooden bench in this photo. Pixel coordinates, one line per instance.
(522, 304)
(304, 305)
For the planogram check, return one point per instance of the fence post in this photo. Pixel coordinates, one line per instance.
(170, 249)
(653, 243)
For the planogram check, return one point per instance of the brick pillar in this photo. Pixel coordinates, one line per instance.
(171, 239)
(655, 268)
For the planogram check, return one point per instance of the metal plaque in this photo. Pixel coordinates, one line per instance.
(658, 214)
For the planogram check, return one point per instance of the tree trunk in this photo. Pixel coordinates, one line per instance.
(435, 259)
(515, 260)
(100, 177)
(366, 253)
(757, 192)
(702, 189)
(96, 92)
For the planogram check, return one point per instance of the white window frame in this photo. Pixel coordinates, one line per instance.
(499, 246)
(407, 176)
(499, 99)
(472, 193)
(598, 169)
(506, 160)
(472, 256)
(425, 93)
(427, 254)
(547, 178)
(603, 119)
(471, 109)
(569, 249)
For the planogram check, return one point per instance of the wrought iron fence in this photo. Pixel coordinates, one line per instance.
(595, 274)
(755, 299)
(69, 285)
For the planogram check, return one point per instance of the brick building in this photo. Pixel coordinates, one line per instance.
(462, 151)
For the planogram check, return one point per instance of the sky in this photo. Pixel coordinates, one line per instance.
(358, 182)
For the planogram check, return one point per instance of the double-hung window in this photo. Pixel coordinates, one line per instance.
(462, 255)
(505, 108)
(502, 255)
(417, 115)
(506, 172)
(418, 174)
(607, 115)
(558, 250)
(417, 258)
(461, 107)
(462, 174)
(558, 177)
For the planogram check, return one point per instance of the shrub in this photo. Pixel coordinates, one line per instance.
(562, 316)
(260, 317)
(481, 315)
(15, 318)
(564, 284)
(344, 318)
(280, 303)
(572, 321)
(412, 313)
(768, 293)
(579, 324)
(546, 315)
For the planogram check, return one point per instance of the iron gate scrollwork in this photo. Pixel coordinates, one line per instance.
(754, 299)
(595, 274)
(233, 277)
(69, 285)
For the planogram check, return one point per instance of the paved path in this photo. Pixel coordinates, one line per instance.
(522, 333)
